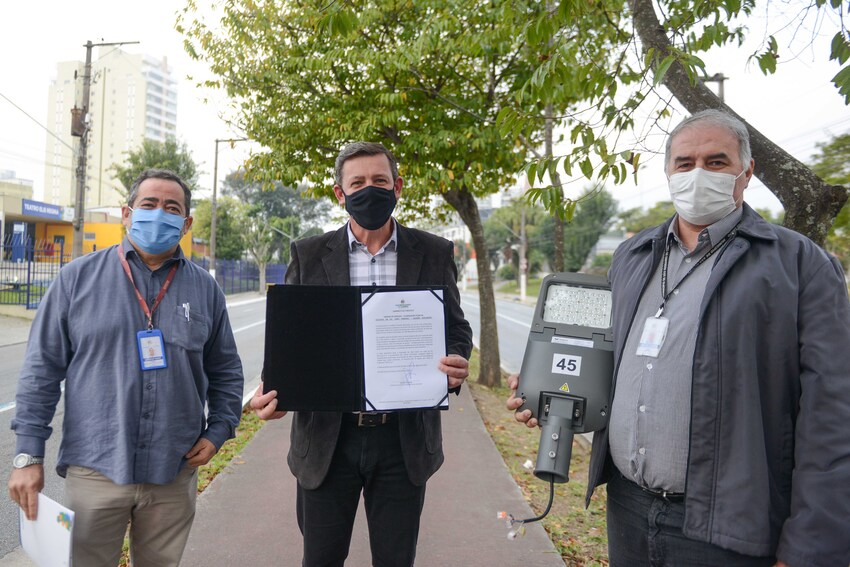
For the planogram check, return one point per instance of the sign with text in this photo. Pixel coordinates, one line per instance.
(38, 209)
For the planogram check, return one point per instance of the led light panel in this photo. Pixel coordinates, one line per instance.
(572, 305)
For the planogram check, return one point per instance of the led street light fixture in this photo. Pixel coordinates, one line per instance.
(568, 366)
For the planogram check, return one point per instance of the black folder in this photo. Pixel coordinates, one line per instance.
(314, 346)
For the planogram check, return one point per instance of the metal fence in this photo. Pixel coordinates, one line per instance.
(237, 276)
(27, 268)
(275, 273)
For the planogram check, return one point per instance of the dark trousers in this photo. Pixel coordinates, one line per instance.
(366, 459)
(646, 530)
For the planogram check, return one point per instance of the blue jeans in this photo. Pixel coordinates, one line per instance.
(646, 530)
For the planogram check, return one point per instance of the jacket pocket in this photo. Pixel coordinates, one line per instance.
(433, 430)
(299, 436)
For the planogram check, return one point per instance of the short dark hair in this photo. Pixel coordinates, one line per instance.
(356, 149)
(714, 117)
(166, 174)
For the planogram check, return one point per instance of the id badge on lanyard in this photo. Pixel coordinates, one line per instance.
(150, 342)
(652, 338)
(655, 328)
(151, 349)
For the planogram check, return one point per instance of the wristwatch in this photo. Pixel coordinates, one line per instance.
(22, 460)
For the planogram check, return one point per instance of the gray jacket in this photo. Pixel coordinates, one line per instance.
(769, 461)
(423, 259)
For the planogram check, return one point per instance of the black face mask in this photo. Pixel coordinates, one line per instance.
(371, 206)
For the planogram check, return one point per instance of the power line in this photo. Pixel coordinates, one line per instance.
(46, 129)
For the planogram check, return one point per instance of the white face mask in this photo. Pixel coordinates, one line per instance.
(703, 197)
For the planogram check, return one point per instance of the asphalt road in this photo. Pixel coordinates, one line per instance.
(513, 320)
(247, 318)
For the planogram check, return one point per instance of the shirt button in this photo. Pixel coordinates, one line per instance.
(642, 451)
(147, 415)
(149, 387)
(649, 366)
(374, 283)
(675, 292)
(687, 260)
(641, 408)
(373, 260)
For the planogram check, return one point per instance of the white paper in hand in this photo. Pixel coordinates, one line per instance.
(47, 540)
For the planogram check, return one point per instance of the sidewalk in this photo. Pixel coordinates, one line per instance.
(14, 325)
(247, 515)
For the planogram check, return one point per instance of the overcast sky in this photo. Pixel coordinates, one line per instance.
(796, 108)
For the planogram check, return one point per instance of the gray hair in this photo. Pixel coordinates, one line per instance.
(166, 174)
(715, 118)
(356, 149)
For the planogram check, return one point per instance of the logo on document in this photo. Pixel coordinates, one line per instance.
(64, 520)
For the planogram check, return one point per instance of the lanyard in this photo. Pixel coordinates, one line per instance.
(148, 312)
(665, 295)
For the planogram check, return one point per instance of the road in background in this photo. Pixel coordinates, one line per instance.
(247, 318)
(513, 320)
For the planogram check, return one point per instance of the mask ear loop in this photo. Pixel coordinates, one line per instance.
(739, 203)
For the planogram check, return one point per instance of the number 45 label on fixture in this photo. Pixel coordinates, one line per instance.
(566, 364)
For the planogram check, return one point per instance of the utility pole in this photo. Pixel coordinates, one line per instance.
(80, 126)
(213, 202)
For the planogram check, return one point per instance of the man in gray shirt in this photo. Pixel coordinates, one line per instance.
(141, 338)
(727, 443)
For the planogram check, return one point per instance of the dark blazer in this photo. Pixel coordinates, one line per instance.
(423, 259)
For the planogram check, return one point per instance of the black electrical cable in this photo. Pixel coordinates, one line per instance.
(548, 506)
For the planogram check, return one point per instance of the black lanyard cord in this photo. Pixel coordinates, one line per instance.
(665, 295)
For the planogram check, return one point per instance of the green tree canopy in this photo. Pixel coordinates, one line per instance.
(596, 208)
(230, 244)
(503, 232)
(660, 44)
(171, 155)
(427, 79)
(638, 219)
(275, 215)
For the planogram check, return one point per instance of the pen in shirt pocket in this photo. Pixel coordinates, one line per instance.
(186, 311)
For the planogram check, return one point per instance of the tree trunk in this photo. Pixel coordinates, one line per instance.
(549, 125)
(810, 204)
(490, 372)
(262, 266)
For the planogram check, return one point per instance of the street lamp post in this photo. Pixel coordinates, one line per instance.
(213, 203)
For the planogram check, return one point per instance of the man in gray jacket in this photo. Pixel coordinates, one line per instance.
(728, 441)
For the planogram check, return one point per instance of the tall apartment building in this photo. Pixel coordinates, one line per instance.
(133, 97)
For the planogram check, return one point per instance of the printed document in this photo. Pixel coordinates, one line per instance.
(47, 539)
(404, 337)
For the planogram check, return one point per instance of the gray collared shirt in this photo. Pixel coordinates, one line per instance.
(132, 426)
(366, 269)
(649, 430)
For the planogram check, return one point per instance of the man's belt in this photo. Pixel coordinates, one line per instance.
(666, 495)
(370, 418)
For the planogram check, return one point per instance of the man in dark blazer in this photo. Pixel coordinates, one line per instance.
(388, 456)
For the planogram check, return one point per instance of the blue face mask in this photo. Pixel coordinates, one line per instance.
(155, 231)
